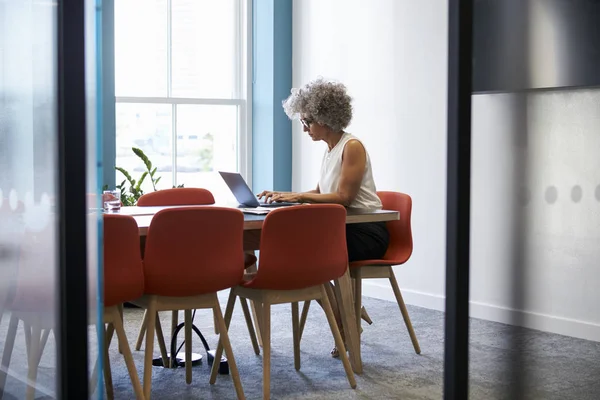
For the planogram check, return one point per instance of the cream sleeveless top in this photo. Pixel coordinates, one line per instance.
(331, 172)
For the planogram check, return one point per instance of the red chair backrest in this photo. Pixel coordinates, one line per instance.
(401, 242)
(195, 250)
(123, 271)
(33, 287)
(177, 197)
(302, 246)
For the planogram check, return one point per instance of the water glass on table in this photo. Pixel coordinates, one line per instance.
(112, 200)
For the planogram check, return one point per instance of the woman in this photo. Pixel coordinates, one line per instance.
(325, 110)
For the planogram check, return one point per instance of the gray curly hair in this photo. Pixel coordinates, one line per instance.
(326, 103)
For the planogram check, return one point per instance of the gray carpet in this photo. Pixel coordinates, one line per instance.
(554, 366)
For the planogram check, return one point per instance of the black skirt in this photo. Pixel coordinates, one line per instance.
(367, 241)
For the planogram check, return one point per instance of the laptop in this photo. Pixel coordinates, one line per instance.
(244, 195)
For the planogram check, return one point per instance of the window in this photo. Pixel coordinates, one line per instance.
(181, 85)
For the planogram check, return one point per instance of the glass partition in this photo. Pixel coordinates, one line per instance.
(28, 187)
(31, 186)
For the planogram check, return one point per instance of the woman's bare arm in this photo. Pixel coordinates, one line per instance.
(354, 161)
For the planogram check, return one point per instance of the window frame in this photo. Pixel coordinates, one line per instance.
(242, 90)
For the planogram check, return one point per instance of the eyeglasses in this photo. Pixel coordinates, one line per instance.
(306, 122)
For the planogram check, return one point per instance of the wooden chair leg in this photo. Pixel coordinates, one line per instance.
(358, 299)
(36, 337)
(349, 331)
(27, 334)
(107, 371)
(174, 321)
(250, 325)
(148, 353)
(43, 341)
(120, 310)
(257, 314)
(228, 309)
(404, 311)
(303, 317)
(140, 338)
(161, 342)
(106, 337)
(110, 330)
(226, 344)
(219, 351)
(331, 296)
(266, 332)
(339, 343)
(9, 345)
(296, 334)
(256, 311)
(216, 325)
(133, 375)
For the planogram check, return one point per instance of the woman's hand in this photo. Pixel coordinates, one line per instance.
(287, 197)
(268, 195)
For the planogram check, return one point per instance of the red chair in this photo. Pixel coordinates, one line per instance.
(191, 254)
(178, 197)
(123, 282)
(184, 197)
(398, 252)
(302, 248)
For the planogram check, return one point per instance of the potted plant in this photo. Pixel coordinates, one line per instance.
(130, 195)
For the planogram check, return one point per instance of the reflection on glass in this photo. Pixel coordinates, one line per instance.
(28, 224)
(206, 143)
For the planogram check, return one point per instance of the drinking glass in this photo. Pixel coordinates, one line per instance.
(112, 200)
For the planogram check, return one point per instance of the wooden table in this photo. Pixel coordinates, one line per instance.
(143, 216)
(343, 285)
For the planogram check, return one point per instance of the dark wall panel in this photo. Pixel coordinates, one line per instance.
(535, 44)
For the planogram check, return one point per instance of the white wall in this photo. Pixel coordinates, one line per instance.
(392, 55)
(536, 210)
(396, 76)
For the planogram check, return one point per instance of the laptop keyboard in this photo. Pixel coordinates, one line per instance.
(275, 204)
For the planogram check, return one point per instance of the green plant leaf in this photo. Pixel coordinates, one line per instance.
(139, 184)
(156, 181)
(127, 176)
(142, 155)
(153, 171)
